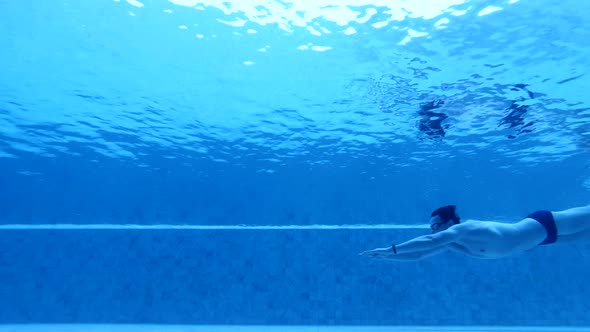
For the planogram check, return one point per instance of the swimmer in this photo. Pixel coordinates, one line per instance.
(490, 239)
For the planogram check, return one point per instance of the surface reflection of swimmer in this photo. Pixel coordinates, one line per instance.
(516, 119)
(431, 121)
(516, 113)
(490, 239)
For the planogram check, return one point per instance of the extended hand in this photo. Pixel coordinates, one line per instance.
(378, 253)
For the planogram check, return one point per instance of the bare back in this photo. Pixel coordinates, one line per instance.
(488, 239)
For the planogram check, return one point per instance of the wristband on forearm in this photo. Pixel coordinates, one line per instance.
(393, 249)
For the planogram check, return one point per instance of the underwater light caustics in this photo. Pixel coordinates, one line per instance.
(341, 12)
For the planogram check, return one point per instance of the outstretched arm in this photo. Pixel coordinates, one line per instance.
(389, 254)
(416, 248)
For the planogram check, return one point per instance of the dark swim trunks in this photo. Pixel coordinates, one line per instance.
(545, 218)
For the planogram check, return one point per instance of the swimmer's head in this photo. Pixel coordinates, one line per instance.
(443, 218)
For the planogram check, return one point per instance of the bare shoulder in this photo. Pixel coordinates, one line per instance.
(477, 229)
(474, 227)
(470, 225)
(468, 229)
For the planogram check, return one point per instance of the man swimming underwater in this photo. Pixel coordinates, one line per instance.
(490, 239)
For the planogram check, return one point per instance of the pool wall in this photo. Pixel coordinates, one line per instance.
(277, 278)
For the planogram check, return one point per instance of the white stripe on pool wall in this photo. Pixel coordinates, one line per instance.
(262, 328)
(202, 227)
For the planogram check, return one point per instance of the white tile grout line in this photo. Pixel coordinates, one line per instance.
(271, 328)
(202, 227)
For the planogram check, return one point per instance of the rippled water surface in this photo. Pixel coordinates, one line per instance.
(221, 80)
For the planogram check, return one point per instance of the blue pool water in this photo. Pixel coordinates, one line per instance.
(215, 163)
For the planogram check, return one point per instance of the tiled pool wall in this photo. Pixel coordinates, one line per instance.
(270, 277)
